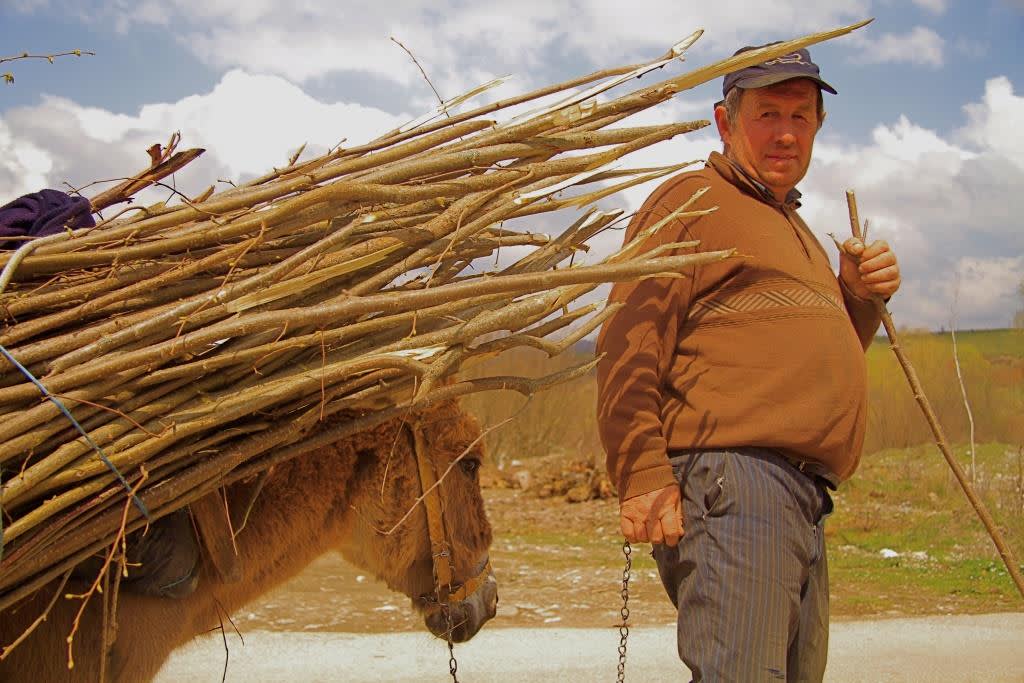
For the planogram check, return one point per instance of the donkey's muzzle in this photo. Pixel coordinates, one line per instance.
(461, 620)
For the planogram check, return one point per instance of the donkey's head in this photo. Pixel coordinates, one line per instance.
(416, 518)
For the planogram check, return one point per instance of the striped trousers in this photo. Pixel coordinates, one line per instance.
(750, 576)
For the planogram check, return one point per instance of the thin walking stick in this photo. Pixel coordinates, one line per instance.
(940, 438)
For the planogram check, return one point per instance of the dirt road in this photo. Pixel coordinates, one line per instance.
(948, 648)
(559, 603)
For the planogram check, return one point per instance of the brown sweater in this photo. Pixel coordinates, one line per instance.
(765, 349)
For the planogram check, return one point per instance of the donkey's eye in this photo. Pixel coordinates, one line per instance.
(470, 466)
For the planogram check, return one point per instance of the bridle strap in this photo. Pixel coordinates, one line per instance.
(471, 586)
(440, 552)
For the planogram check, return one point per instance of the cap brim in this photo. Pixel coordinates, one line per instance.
(772, 79)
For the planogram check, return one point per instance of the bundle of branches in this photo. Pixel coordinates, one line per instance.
(158, 356)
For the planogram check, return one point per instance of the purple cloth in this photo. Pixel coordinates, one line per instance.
(42, 213)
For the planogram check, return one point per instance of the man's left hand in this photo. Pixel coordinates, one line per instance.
(877, 272)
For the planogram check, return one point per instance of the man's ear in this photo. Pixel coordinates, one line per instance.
(821, 119)
(722, 121)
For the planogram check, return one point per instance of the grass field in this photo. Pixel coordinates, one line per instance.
(907, 501)
(903, 499)
(902, 542)
(995, 343)
(992, 367)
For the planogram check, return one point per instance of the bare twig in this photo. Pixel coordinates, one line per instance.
(419, 66)
(100, 577)
(1020, 477)
(143, 179)
(440, 479)
(6, 651)
(960, 378)
(8, 77)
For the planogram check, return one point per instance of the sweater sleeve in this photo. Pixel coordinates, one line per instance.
(863, 314)
(637, 344)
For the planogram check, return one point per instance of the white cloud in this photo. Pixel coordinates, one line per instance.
(934, 6)
(987, 287)
(946, 206)
(612, 30)
(995, 122)
(921, 46)
(311, 39)
(29, 5)
(247, 123)
(24, 167)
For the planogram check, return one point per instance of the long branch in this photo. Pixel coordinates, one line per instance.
(1012, 566)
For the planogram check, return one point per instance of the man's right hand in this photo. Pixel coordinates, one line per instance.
(655, 517)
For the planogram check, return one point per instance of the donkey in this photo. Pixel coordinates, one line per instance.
(343, 497)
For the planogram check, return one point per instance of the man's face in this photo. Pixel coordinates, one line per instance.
(773, 135)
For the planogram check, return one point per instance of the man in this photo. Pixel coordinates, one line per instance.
(734, 397)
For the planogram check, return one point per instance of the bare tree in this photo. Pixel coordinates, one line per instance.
(1018, 318)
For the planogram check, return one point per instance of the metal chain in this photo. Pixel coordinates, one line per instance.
(624, 626)
(453, 664)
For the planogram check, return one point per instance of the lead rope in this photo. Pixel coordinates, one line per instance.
(624, 612)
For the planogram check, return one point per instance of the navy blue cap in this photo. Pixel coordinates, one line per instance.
(796, 64)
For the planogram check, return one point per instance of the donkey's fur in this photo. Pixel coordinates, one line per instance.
(338, 498)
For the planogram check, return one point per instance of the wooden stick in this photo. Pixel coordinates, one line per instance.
(144, 179)
(940, 438)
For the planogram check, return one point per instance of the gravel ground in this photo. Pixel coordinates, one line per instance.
(962, 648)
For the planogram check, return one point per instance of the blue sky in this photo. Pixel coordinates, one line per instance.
(926, 126)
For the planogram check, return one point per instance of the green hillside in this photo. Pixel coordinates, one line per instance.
(1005, 343)
(992, 367)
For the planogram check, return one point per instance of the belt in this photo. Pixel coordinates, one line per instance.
(814, 470)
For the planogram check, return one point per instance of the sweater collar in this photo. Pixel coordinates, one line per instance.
(732, 172)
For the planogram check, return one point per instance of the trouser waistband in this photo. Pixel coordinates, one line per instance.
(809, 468)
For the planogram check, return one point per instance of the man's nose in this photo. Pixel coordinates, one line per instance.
(786, 138)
